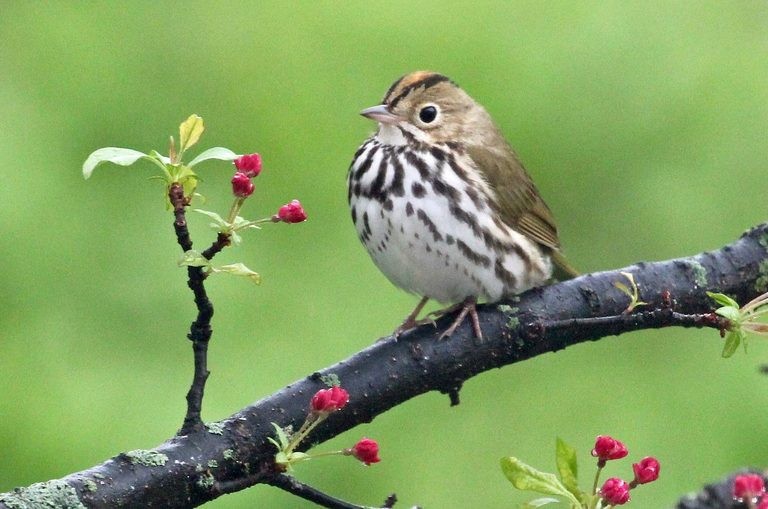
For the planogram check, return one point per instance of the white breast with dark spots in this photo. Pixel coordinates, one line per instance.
(431, 232)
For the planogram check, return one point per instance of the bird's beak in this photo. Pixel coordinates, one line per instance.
(381, 114)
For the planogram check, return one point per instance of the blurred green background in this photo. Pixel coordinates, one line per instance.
(643, 123)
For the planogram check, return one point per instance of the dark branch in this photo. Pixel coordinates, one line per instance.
(390, 372)
(298, 488)
(200, 331)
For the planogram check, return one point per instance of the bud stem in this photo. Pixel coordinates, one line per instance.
(312, 420)
(235, 209)
(597, 475)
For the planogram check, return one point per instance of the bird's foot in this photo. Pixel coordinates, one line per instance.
(468, 307)
(411, 322)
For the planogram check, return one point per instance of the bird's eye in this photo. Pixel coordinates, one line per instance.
(427, 114)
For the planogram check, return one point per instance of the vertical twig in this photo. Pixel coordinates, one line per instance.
(200, 331)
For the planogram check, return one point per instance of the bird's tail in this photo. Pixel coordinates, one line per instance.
(563, 269)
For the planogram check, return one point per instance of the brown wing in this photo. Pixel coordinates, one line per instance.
(519, 203)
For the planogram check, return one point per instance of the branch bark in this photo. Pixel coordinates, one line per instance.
(189, 470)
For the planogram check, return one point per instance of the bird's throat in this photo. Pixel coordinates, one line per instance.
(391, 135)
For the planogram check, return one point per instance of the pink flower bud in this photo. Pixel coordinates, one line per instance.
(326, 401)
(763, 503)
(608, 448)
(250, 164)
(615, 491)
(366, 450)
(290, 213)
(242, 187)
(748, 487)
(646, 470)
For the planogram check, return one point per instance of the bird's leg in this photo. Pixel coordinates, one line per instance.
(469, 306)
(410, 321)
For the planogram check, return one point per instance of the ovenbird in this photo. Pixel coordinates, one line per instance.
(444, 206)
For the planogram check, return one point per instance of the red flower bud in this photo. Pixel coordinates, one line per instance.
(615, 491)
(329, 400)
(250, 164)
(608, 448)
(242, 187)
(366, 450)
(748, 487)
(646, 470)
(290, 213)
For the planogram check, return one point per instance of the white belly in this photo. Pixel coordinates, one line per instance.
(434, 244)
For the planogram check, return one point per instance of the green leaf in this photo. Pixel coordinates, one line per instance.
(160, 157)
(193, 258)
(525, 477)
(731, 313)
(298, 456)
(731, 344)
(189, 132)
(281, 436)
(219, 223)
(221, 153)
(723, 299)
(282, 459)
(624, 288)
(539, 502)
(239, 269)
(116, 155)
(565, 458)
(275, 443)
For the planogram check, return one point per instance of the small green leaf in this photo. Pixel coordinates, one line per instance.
(565, 457)
(624, 288)
(525, 477)
(731, 344)
(219, 223)
(160, 157)
(282, 459)
(281, 436)
(189, 132)
(193, 258)
(221, 153)
(632, 293)
(729, 312)
(298, 456)
(116, 155)
(239, 269)
(275, 443)
(539, 502)
(723, 299)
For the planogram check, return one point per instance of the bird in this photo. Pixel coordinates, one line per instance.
(444, 206)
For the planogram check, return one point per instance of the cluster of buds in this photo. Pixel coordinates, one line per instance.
(323, 403)
(615, 491)
(247, 167)
(749, 489)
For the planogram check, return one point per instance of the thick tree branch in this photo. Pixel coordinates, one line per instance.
(187, 471)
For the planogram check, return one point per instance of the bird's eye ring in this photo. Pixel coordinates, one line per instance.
(428, 114)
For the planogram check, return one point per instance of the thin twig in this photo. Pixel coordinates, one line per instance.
(200, 331)
(657, 318)
(307, 492)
